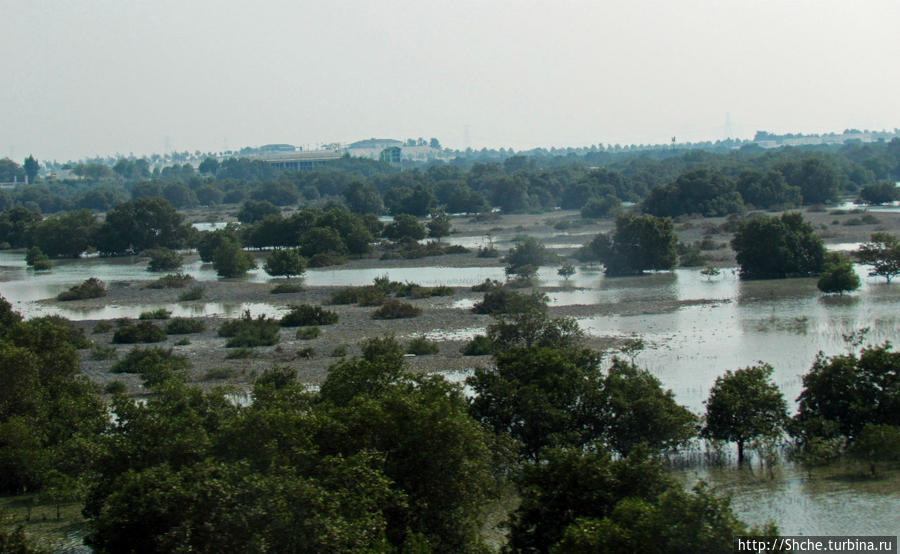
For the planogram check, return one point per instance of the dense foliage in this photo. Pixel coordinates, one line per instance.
(639, 243)
(778, 247)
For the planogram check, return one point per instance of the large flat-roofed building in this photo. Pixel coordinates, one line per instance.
(298, 160)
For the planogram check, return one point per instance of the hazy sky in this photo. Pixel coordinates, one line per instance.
(81, 78)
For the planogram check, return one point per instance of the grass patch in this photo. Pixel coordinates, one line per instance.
(91, 288)
(240, 354)
(308, 333)
(144, 331)
(285, 288)
(339, 351)
(193, 293)
(220, 373)
(247, 332)
(396, 309)
(115, 387)
(185, 326)
(102, 353)
(160, 313)
(154, 365)
(420, 346)
(480, 345)
(171, 281)
(102, 327)
(306, 314)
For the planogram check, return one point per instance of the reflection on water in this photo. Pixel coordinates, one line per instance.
(832, 503)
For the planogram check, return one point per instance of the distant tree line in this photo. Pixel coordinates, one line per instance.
(668, 182)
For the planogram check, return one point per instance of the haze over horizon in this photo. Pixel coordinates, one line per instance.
(101, 77)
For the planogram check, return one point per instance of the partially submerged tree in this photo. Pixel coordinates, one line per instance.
(778, 247)
(882, 252)
(639, 243)
(744, 405)
(838, 276)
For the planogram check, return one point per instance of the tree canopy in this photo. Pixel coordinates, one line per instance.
(769, 247)
(639, 243)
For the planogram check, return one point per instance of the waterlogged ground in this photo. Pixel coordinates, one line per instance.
(694, 329)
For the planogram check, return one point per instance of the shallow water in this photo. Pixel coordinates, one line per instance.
(834, 502)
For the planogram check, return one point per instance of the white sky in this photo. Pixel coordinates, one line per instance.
(88, 77)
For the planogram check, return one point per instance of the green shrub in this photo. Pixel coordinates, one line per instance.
(115, 387)
(305, 314)
(194, 293)
(170, 281)
(307, 353)
(163, 259)
(487, 285)
(480, 345)
(160, 313)
(240, 354)
(68, 331)
(396, 309)
(90, 288)
(286, 288)
(420, 346)
(184, 341)
(99, 352)
(144, 331)
(249, 332)
(339, 351)
(308, 333)
(324, 259)
(154, 365)
(488, 252)
(868, 219)
(185, 326)
(370, 296)
(42, 264)
(102, 327)
(349, 295)
(220, 373)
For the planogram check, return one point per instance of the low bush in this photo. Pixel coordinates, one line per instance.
(185, 326)
(102, 327)
(160, 313)
(370, 296)
(339, 351)
(193, 293)
(91, 288)
(349, 295)
(99, 353)
(286, 288)
(163, 259)
(219, 374)
(480, 345)
(396, 309)
(324, 259)
(144, 331)
(68, 331)
(502, 300)
(306, 353)
(308, 333)
(487, 285)
(240, 354)
(184, 341)
(488, 252)
(420, 346)
(305, 314)
(154, 365)
(171, 281)
(248, 332)
(115, 387)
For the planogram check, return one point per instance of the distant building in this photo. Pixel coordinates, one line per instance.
(375, 149)
(769, 140)
(297, 160)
